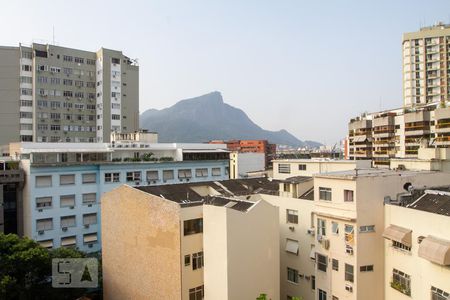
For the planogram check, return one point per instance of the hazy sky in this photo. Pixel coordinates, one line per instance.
(305, 66)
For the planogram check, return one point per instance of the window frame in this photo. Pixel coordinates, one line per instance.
(325, 193)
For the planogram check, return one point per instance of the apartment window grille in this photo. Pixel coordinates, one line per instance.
(401, 282)
(322, 262)
(43, 181)
(184, 173)
(367, 228)
(201, 172)
(193, 226)
(67, 200)
(335, 227)
(335, 264)
(292, 275)
(68, 221)
(112, 177)
(134, 176)
(67, 179)
(44, 224)
(348, 196)
(197, 260)
(349, 273)
(438, 294)
(90, 219)
(321, 227)
(44, 202)
(291, 216)
(401, 246)
(89, 198)
(197, 293)
(368, 268)
(168, 175)
(325, 193)
(284, 168)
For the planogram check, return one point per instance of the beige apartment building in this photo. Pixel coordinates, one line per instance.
(417, 253)
(348, 224)
(167, 232)
(50, 93)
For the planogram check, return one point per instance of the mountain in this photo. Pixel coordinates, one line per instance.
(207, 118)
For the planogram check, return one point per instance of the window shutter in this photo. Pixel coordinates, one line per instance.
(43, 181)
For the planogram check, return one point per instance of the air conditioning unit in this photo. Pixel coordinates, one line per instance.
(64, 229)
(319, 238)
(86, 225)
(349, 288)
(349, 250)
(311, 231)
(41, 232)
(326, 243)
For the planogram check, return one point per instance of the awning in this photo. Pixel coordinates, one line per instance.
(46, 244)
(292, 246)
(398, 234)
(435, 250)
(359, 139)
(69, 241)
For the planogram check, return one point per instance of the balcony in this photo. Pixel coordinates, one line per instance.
(11, 176)
(401, 288)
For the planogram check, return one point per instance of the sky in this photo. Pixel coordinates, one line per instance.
(303, 66)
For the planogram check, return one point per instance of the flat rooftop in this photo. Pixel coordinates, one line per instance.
(315, 160)
(370, 172)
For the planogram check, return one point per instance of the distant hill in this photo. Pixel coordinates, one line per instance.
(207, 118)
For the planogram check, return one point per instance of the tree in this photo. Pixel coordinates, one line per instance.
(26, 267)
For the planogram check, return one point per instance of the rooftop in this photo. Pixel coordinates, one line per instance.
(298, 179)
(239, 205)
(433, 201)
(314, 160)
(370, 172)
(196, 193)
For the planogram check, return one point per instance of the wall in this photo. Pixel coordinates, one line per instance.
(150, 226)
(246, 162)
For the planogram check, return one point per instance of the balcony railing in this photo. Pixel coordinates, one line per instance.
(10, 176)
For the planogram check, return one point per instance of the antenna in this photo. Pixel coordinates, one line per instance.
(53, 34)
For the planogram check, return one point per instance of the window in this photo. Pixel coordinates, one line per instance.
(67, 58)
(115, 60)
(79, 95)
(115, 105)
(44, 224)
(348, 272)
(26, 54)
(322, 262)
(112, 177)
(201, 172)
(44, 202)
(292, 246)
(69, 241)
(68, 82)
(335, 264)
(321, 227)
(438, 294)
(291, 216)
(134, 176)
(400, 246)
(196, 293)
(322, 295)
(26, 115)
(46, 244)
(197, 260)
(313, 282)
(368, 268)
(349, 232)
(67, 200)
(55, 116)
(90, 61)
(348, 196)
(401, 282)
(367, 228)
(184, 173)
(90, 219)
(89, 198)
(335, 227)
(43, 181)
(68, 221)
(115, 117)
(325, 193)
(26, 127)
(152, 176)
(26, 92)
(26, 79)
(68, 94)
(302, 167)
(89, 178)
(193, 226)
(79, 60)
(292, 275)
(187, 260)
(90, 238)
(168, 175)
(216, 172)
(67, 179)
(284, 168)
(26, 103)
(55, 104)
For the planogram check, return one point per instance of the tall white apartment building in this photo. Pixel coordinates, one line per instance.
(50, 93)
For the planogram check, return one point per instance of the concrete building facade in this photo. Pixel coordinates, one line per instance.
(58, 94)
